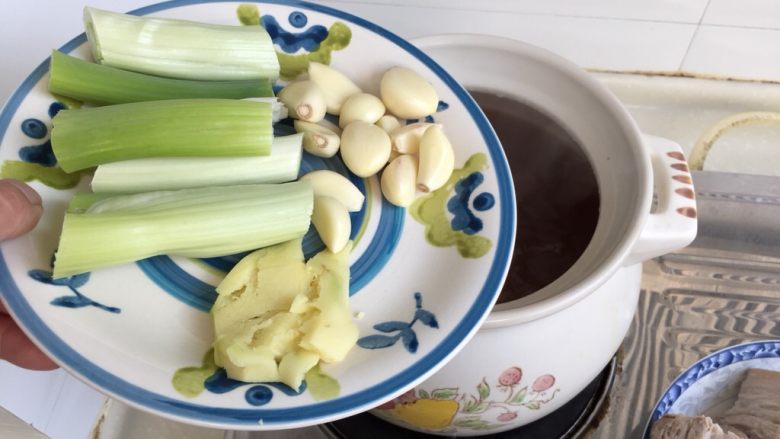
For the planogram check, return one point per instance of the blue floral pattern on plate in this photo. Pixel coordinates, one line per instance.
(459, 205)
(256, 395)
(291, 42)
(78, 299)
(41, 154)
(404, 331)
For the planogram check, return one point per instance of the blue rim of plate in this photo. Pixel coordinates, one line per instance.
(712, 362)
(313, 413)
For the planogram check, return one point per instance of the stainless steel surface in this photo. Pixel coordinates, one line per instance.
(722, 290)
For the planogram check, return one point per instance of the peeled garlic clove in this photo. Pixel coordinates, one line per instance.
(406, 139)
(318, 140)
(407, 94)
(334, 85)
(330, 125)
(332, 184)
(388, 123)
(399, 180)
(365, 148)
(361, 106)
(393, 155)
(331, 220)
(437, 160)
(304, 101)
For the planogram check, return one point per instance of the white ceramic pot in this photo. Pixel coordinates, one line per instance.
(536, 353)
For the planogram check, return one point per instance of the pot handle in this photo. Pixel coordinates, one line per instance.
(672, 223)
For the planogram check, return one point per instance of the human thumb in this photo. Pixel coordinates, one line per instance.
(20, 208)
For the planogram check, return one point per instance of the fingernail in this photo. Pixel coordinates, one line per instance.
(26, 190)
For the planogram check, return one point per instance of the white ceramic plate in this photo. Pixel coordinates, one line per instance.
(128, 329)
(711, 385)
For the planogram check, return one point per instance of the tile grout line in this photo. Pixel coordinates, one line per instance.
(54, 405)
(693, 37)
(739, 26)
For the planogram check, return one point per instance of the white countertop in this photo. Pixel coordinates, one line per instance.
(710, 37)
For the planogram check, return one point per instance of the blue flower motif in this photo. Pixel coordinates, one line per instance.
(460, 204)
(77, 300)
(34, 128)
(41, 154)
(297, 19)
(255, 395)
(291, 42)
(403, 330)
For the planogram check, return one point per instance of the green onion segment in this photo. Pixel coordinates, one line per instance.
(103, 85)
(89, 137)
(168, 173)
(202, 222)
(180, 49)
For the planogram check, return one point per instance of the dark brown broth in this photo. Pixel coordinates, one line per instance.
(556, 191)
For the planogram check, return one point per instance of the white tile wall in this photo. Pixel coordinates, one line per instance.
(53, 402)
(735, 52)
(75, 410)
(677, 11)
(589, 42)
(744, 13)
(30, 395)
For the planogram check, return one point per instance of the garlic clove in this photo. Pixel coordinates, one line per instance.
(388, 122)
(407, 95)
(361, 106)
(330, 125)
(332, 184)
(318, 140)
(406, 139)
(399, 180)
(393, 155)
(331, 220)
(365, 148)
(304, 101)
(436, 160)
(334, 85)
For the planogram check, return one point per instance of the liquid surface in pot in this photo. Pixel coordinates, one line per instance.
(556, 190)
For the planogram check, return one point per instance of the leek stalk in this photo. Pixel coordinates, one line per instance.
(180, 49)
(202, 222)
(168, 173)
(103, 85)
(89, 137)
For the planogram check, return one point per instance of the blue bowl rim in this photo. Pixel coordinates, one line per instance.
(739, 352)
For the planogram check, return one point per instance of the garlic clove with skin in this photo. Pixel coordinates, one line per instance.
(361, 106)
(336, 87)
(317, 139)
(331, 220)
(399, 180)
(406, 139)
(304, 101)
(436, 160)
(328, 183)
(408, 95)
(365, 148)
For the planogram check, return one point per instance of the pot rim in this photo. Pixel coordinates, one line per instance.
(512, 313)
